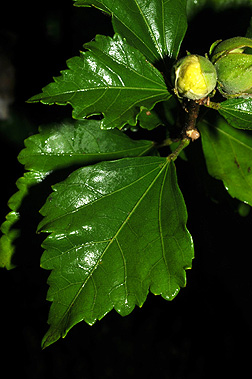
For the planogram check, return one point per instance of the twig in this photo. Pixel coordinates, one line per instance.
(190, 131)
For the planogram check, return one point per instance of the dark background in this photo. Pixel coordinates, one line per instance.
(206, 330)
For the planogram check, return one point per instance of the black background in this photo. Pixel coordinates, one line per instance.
(206, 330)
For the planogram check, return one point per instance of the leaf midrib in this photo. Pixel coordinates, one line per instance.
(150, 30)
(83, 154)
(148, 89)
(115, 237)
(137, 35)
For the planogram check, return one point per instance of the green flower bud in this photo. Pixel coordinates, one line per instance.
(194, 77)
(233, 66)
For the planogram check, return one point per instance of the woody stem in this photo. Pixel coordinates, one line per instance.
(192, 114)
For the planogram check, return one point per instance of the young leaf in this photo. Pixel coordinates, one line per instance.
(160, 115)
(154, 27)
(59, 146)
(228, 154)
(149, 120)
(111, 78)
(118, 230)
(237, 112)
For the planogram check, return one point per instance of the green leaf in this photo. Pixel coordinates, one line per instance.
(149, 120)
(79, 142)
(154, 27)
(238, 112)
(7, 248)
(118, 230)
(228, 154)
(112, 78)
(162, 114)
(6, 241)
(59, 146)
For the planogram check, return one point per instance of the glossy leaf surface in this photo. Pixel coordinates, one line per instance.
(112, 78)
(154, 27)
(78, 142)
(228, 154)
(118, 230)
(59, 146)
(238, 112)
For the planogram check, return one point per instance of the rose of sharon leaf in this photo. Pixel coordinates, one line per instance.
(112, 79)
(118, 230)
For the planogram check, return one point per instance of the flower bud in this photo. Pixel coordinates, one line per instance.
(194, 77)
(233, 66)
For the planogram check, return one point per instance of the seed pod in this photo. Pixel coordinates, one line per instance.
(233, 66)
(194, 77)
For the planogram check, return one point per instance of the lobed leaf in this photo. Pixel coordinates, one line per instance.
(154, 27)
(118, 230)
(237, 112)
(58, 146)
(228, 154)
(111, 78)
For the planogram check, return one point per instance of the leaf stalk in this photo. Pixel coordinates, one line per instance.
(183, 144)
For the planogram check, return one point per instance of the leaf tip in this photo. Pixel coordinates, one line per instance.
(49, 338)
(34, 99)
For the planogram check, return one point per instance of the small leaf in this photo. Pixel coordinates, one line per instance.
(118, 230)
(228, 154)
(162, 114)
(112, 78)
(59, 146)
(154, 27)
(149, 119)
(237, 112)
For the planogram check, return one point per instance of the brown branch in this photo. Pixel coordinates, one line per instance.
(192, 111)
